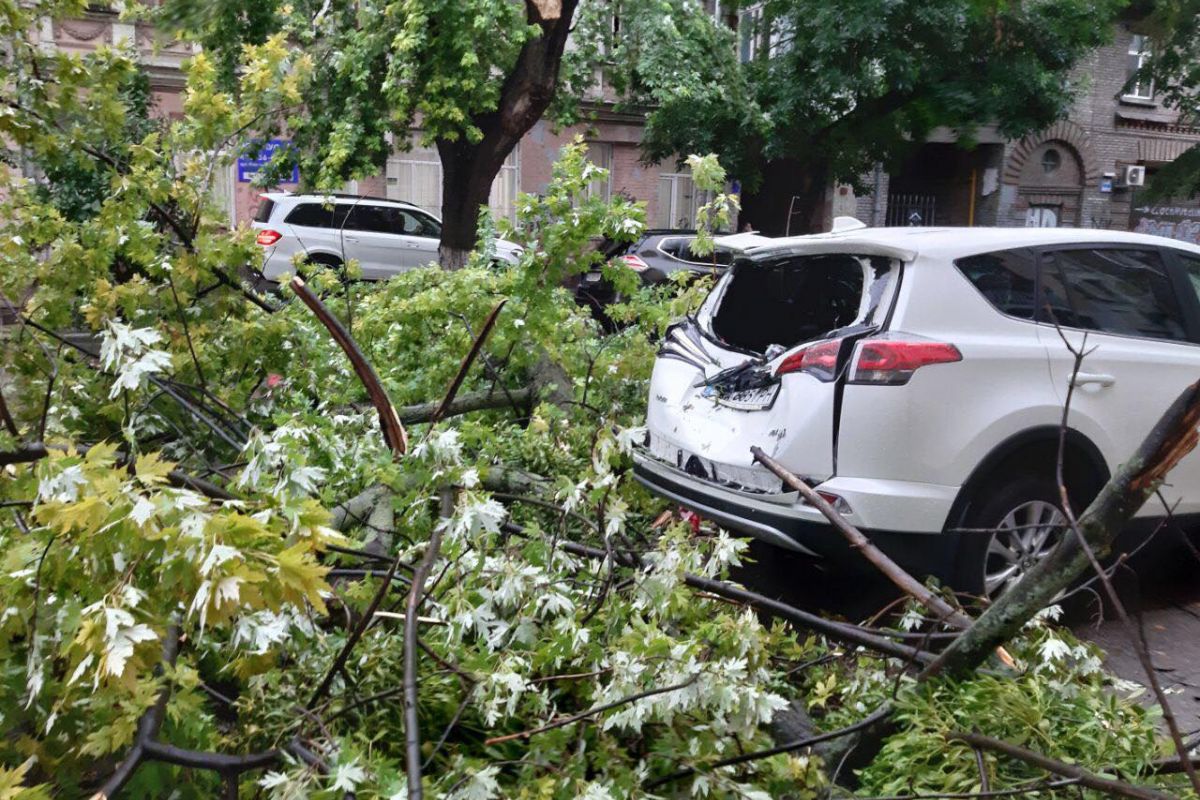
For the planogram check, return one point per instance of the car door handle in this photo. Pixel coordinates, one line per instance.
(1096, 378)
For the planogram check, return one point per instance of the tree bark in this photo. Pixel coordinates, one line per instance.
(469, 169)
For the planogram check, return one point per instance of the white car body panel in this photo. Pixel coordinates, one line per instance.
(379, 255)
(904, 452)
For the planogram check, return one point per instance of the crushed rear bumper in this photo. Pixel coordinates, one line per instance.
(782, 520)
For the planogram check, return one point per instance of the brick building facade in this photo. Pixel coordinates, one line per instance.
(414, 175)
(1074, 173)
(1070, 174)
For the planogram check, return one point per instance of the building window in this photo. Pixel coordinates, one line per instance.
(1139, 54)
(678, 200)
(1051, 160)
(600, 154)
(415, 176)
(750, 33)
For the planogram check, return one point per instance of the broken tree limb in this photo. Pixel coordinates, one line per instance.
(393, 430)
(876, 716)
(1172, 437)
(1091, 780)
(467, 361)
(859, 541)
(476, 401)
(837, 631)
(412, 604)
(147, 727)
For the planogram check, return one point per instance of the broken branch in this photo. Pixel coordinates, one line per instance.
(389, 422)
(859, 541)
(1091, 780)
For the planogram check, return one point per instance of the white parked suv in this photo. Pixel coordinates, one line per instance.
(386, 237)
(916, 377)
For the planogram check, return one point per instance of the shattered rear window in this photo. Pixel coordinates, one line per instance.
(795, 299)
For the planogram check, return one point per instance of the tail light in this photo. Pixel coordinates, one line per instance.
(891, 359)
(837, 501)
(819, 360)
(635, 263)
(268, 237)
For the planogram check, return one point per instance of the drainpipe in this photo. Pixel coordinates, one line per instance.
(875, 195)
(971, 205)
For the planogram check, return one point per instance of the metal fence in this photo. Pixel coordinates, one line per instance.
(911, 209)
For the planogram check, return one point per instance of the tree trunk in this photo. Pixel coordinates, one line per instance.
(469, 169)
(467, 175)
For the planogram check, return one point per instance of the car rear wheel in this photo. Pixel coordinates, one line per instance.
(1007, 534)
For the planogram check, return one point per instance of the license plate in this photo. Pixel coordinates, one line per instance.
(592, 276)
(750, 399)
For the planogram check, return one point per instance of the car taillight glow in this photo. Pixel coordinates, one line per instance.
(635, 263)
(268, 237)
(892, 361)
(819, 360)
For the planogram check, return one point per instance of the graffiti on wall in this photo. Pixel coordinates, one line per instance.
(1180, 222)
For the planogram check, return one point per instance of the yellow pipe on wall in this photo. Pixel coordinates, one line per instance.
(971, 205)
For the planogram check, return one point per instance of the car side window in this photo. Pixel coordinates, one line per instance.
(1191, 266)
(311, 215)
(1006, 278)
(370, 218)
(411, 223)
(1118, 290)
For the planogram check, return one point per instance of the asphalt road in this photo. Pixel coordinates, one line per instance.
(1163, 584)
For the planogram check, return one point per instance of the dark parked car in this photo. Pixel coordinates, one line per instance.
(656, 256)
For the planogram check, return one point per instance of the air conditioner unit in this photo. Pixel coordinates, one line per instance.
(1133, 175)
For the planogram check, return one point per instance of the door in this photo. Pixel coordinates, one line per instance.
(418, 234)
(1140, 345)
(370, 238)
(1041, 217)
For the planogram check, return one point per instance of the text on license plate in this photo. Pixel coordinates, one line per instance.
(750, 399)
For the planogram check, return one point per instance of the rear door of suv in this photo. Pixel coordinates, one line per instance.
(1133, 310)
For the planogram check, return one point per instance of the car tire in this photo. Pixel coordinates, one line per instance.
(1009, 529)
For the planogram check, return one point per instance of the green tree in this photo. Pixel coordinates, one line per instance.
(848, 83)
(474, 77)
(1173, 29)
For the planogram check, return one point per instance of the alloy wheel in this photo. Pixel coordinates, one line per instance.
(1023, 538)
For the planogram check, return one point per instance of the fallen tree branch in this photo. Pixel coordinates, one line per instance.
(389, 422)
(859, 541)
(476, 401)
(837, 631)
(467, 361)
(1091, 780)
(1172, 437)
(147, 727)
(412, 604)
(878, 715)
(591, 712)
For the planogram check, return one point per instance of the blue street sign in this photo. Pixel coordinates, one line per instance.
(248, 166)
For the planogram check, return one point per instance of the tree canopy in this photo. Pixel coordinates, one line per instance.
(835, 87)
(217, 574)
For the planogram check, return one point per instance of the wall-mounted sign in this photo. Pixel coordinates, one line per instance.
(1106, 184)
(1180, 221)
(248, 166)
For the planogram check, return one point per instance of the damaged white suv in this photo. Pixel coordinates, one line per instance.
(916, 377)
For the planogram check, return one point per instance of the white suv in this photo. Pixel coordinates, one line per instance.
(916, 377)
(385, 236)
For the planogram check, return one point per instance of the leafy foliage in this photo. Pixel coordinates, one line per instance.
(196, 538)
(841, 85)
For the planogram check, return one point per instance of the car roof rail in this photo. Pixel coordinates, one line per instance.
(352, 196)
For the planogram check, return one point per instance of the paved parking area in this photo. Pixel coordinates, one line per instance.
(1165, 588)
(1169, 592)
